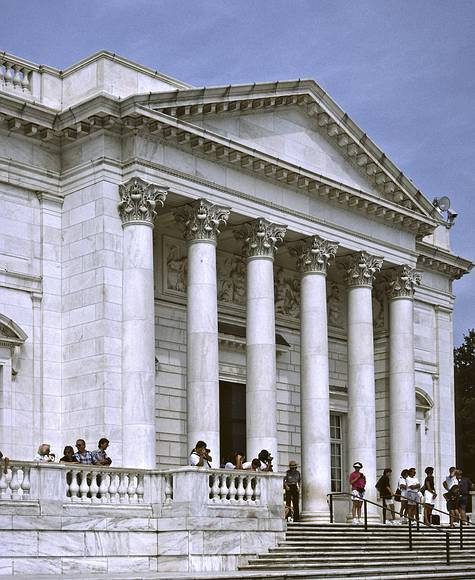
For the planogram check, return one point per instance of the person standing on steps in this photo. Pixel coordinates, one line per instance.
(384, 489)
(358, 484)
(413, 486)
(428, 490)
(402, 489)
(292, 489)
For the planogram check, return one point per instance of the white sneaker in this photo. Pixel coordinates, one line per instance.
(396, 523)
(360, 523)
(355, 522)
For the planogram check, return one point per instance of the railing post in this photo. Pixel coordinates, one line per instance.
(331, 507)
(418, 513)
(410, 533)
(461, 534)
(365, 509)
(447, 547)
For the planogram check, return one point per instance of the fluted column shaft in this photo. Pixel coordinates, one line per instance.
(202, 220)
(139, 200)
(313, 257)
(361, 383)
(402, 394)
(260, 241)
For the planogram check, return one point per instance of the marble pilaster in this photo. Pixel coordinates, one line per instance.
(202, 220)
(361, 271)
(313, 257)
(402, 395)
(261, 239)
(137, 209)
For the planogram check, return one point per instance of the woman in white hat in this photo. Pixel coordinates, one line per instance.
(358, 483)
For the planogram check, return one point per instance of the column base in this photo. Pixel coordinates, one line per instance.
(317, 517)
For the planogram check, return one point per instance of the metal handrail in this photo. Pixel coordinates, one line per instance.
(383, 507)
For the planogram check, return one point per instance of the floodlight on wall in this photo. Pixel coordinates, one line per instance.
(442, 205)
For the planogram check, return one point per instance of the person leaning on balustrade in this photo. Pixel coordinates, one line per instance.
(6, 462)
(68, 456)
(44, 454)
(200, 455)
(99, 456)
(83, 455)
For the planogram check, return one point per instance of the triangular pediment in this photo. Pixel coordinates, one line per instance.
(289, 134)
(298, 123)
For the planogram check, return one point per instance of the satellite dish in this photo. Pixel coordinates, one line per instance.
(443, 203)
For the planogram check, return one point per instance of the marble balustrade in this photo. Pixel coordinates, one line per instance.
(88, 484)
(58, 518)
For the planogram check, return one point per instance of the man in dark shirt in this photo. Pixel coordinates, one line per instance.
(292, 489)
(384, 488)
(465, 486)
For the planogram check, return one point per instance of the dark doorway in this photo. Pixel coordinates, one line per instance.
(232, 422)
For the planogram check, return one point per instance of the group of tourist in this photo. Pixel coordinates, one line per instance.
(82, 456)
(411, 494)
(200, 457)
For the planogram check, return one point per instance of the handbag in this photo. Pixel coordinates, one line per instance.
(397, 495)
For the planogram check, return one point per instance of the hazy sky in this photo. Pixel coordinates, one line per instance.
(402, 69)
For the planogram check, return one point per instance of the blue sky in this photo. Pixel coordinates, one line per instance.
(403, 70)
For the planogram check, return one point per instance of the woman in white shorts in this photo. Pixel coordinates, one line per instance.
(413, 486)
(402, 486)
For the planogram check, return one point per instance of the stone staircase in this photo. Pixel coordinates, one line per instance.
(343, 551)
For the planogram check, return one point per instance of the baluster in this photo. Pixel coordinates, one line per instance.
(223, 492)
(113, 488)
(257, 490)
(25, 483)
(25, 81)
(73, 485)
(104, 481)
(16, 77)
(215, 488)
(140, 488)
(3, 485)
(84, 487)
(240, 490)
(248, 490)
(131, 488)
(168, 488)
(94, 487)
(232, 490)
(123, 488)
(8, 73)
(15, 483)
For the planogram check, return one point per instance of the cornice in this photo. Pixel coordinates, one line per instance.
(441, 261)
(104, 111)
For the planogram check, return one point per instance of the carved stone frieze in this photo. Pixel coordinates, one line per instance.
(287, 294)
(314, 254)
(362, 268)
(403, 282)
(379, 308)
(176, 262)
(335, 305)
(202, 220)
(231, 279)
(139, 201)
(261, 238)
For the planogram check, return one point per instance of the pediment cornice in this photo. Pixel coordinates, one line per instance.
(441, 261)
(103, 112)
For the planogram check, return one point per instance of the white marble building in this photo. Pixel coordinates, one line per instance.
(239, 264)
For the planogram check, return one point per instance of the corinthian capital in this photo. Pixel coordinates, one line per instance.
(139, 200)
(261, 238)
(314, 254)
(202, 220)
(403, 282)
(362, 269)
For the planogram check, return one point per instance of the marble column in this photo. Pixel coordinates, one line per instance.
(313, 257)
(361, 385)
(202, 220)
(261, 239)
(137, 209)
(402, 393)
